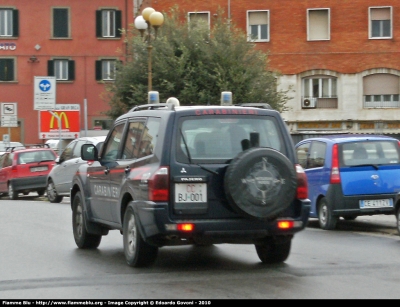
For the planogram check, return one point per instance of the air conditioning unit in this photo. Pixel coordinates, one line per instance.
(309, 103)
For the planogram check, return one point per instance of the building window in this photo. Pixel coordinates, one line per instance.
(199, 18)
(319, 87)
(61, 23)
(318, 24)
(381, 91)
(105, 70)
(8, 22)
(7, 70)
(102, 124)
(380, 22)
(258, 26)
(319, 92)
(108, 23)
(62, 69)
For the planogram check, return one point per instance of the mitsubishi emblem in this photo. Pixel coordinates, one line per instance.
(183, 170)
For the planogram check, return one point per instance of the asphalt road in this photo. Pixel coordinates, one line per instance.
(39, 260)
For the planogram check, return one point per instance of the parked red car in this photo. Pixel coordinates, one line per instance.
(25, 170)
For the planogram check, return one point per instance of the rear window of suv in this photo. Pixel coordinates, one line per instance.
(221, 138)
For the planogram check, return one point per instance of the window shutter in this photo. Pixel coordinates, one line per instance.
(10, 70)
(71, 70)
(118, 23)
(381, 84)
(380, 13)
(60, 22)
(98, 71)
(98, 24)
(258, 18)
(6, 70)
(318, 24)
(2, 69)
(15, 23)
(50, 68)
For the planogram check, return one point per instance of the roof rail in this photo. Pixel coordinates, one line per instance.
(261, 105)
(153, 106)
(37, 145)
(13, 148)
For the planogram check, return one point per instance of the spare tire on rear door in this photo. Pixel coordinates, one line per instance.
(260, 182)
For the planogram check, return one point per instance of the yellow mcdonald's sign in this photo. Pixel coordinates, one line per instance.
(61, 116)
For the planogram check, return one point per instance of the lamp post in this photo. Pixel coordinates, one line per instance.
(149, 18)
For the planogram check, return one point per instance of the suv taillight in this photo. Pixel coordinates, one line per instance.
(159, 185)
(302, 184)
(335, 173)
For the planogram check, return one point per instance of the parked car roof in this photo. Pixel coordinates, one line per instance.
(349, 137)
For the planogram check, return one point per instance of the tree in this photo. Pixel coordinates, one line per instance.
(195, 64)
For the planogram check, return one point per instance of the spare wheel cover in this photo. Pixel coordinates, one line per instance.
(260, 182)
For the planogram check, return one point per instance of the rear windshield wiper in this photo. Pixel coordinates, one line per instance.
(190, 158)
(375, 166)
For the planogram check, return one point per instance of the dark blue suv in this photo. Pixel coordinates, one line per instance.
(350, 176)
(201, 175)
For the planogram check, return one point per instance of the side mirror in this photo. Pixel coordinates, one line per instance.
(89, 152)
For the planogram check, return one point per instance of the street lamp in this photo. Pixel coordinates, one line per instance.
(149, 18)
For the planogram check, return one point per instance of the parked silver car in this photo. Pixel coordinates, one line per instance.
(60, 178)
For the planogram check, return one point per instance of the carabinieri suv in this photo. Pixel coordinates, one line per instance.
(172, 175)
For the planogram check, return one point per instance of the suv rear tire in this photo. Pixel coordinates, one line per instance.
(260, 182)
(137, 252)
(273, 250)
(83, 239)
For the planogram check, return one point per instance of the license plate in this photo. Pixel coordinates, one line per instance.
(376, 203)
(191, 192)
(39, 169)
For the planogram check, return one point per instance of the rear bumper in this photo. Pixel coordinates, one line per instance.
(31, 183)
(350, 205)
(157, 227)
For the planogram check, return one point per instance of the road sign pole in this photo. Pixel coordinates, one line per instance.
(59, 130)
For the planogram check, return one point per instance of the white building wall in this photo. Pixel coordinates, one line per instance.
(350, 111)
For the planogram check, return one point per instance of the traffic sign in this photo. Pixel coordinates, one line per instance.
(45, 93)
(9, 117)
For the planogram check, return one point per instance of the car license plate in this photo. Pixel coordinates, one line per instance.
(376, 203)
(191, 192)
(39, 169)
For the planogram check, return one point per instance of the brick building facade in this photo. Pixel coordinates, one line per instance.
(341, 58)
(75, 41)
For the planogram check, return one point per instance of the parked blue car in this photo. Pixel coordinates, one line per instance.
(350, 176)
